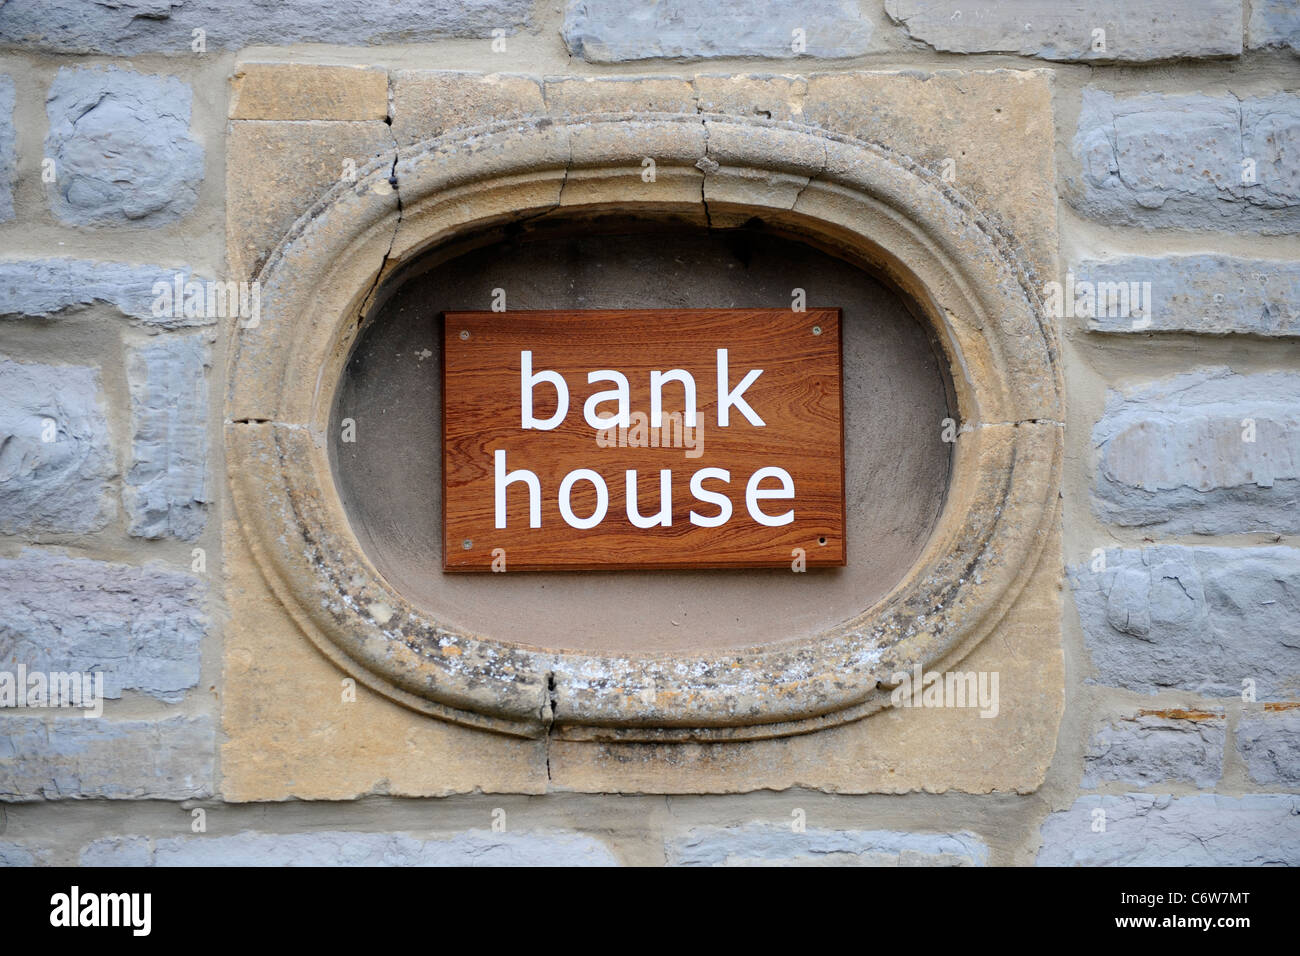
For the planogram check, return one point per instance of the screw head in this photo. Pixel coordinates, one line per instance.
(467, 544)
(464, 334)
(817, 330)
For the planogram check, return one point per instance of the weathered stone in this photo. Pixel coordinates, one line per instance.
(318, 744)
(959, 124)
(121, 146)
(1189, 161)
(1274, 23)
(1151, 748)
(611, 31)
(766, 844)
(1200, 619)
(1206, 452)
(288, 91)
(286, 746)
(1199, 830)
(66, 757)
(771, 97)
(1050, 30)
(342, 848)
(8, 155)
(165, 493)
(140, 26)
(1269, 743)
(48, 287)
(900, 750)
(140, 627)
(640, 94)
(1209, 294)
(118, 851)
(266, 195)
(1270, 143)
(15, 854)
(427, 103)
(59, 484)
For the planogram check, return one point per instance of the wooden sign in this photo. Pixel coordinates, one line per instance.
(652, 438)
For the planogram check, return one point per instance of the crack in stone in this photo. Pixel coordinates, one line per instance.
(705, 165)
(559, 199)
(368, 299)
(814, 177)
(548, 712)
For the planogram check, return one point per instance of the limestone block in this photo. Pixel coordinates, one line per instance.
(614, 31)
(166, 486)
(1269, 743)
(1188, 161)
(1199, 619)
(1205, 294)
(146, 26)
(47, 288)
(122, 147)
(1210, 451)
(1153, 747)
(1052, 30)
(1159, 830)
(139, 626)
(285, 91)
(76, 757)
(58, 454)
(759, 844)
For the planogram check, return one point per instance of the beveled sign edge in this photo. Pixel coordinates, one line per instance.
(586, 565)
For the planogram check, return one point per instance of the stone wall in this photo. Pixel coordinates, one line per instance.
(123, 133)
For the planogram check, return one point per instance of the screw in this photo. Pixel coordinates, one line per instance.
(467, 544)
(817, 330)
(464, 334)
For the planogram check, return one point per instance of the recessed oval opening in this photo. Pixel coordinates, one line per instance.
(897, 393)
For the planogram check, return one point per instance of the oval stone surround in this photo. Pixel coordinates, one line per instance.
(841, 194)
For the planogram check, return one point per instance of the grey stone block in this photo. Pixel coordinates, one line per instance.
(1197, 619)
(48, 287)
(340, 848)
(140, 627)
(1269, 743)
(118, 851)
(15, 854)
(1051, 30)
(76, 757)
(1189, 161)
(1274, 24)
(1210, 294)
(613, 31)
(1198, 830)
(766, 844)
(58, 485)
(1177, 456)
(165, 493)
(8, 146)
(127, 27)
(121, 146)
(1149, 749)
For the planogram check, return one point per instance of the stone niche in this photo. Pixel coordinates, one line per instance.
(897, 390)
(652, 681)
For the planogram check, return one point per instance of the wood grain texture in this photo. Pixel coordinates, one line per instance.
(798, 396)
